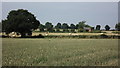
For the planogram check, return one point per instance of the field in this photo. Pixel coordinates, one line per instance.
(66, 34)
(59, 52)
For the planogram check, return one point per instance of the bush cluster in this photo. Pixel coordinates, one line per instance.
(71, 36)
(116, 32)
(84, 36)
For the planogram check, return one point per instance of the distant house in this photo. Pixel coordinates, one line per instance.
(87, 29)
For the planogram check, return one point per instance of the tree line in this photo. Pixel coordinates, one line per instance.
(69, 28)
(23, 22)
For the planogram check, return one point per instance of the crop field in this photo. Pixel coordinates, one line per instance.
(59, 52)
(44, 33)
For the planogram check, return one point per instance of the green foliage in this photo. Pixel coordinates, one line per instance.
(98, 27)
(49, 26)
(103, 36)
(20, 21)
(72, 26)
(81, 25)
(58, 26)
(57, 30)
(6, 27)
(72, 30)
(41, 28)
(65, 30)
(107, 27)
(96, 31)
(116, 32)
(65, 26)
(117, 26)
(81, 30)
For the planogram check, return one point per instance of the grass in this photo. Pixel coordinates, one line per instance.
(59, 52)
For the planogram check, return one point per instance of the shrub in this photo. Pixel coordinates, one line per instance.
(80, 30)
(95, 36)
(72, 30)
(65, 30)
(96, 31)
(116, 32)
(103, 36)
(36, 36)
(3, 36)
(82, 36)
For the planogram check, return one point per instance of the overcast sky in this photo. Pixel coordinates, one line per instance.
(60, 0)
(68, 12)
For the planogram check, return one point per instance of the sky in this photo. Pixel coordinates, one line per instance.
(119, 11)
(59, 0)
(94, 13)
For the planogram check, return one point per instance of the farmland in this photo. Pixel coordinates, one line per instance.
(59, 52)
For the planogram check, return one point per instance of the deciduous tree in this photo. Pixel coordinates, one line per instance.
(49, 26)
(41, 27)
(98, 27)
(107, 27)
(20, 21)
(117, 26)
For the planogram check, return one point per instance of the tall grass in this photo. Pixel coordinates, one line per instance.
(60, 52)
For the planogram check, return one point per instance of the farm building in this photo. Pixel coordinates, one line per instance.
(88, 29)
